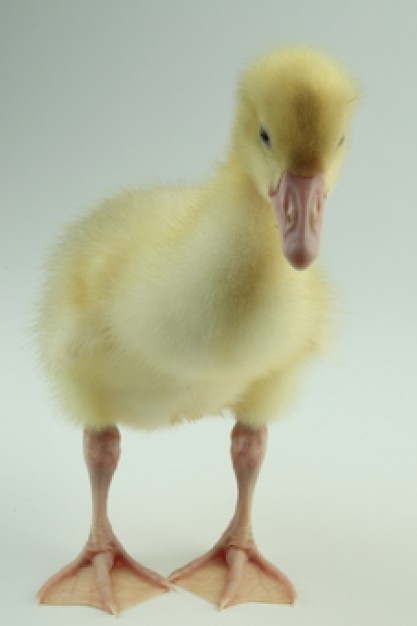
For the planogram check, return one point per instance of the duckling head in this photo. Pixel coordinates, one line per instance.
(289, 137)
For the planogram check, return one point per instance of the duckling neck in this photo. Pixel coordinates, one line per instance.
(243, 221)
(234, 192)
(232, 178)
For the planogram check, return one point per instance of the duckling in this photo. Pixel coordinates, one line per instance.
(174, 303)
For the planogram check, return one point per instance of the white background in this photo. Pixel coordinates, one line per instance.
(98, 96)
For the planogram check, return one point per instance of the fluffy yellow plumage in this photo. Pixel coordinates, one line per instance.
(170, 304)
(175, 303)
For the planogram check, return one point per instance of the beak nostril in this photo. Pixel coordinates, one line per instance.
(290, 212)
(290, 215)
(315, 212)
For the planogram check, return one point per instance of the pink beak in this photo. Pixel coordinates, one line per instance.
(298, 204)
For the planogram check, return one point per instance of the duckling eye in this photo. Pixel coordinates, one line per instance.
(265, 138)
(341, 141)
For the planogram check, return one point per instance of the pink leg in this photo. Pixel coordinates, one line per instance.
(234, 571)
(103, 575)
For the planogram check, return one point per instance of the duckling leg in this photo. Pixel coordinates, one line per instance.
(234, 571)
(103, 575)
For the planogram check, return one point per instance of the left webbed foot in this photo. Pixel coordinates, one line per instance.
(234, 571)
(229, 574)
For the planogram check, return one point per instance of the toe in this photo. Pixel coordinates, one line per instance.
(236, 560)
(103, 563)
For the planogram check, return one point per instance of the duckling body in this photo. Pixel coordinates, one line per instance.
(172, 304)
(154, 314)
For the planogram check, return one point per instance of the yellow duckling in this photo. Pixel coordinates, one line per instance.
(171, 304)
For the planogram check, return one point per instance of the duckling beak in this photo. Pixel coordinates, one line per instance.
(298, 203)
